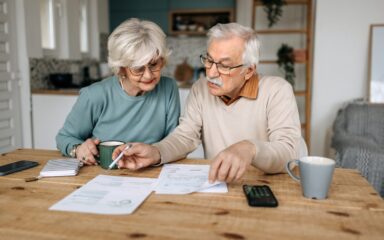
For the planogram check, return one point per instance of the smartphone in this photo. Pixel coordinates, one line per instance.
(17, 166)
(260, 196)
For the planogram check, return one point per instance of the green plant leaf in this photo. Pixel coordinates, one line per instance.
(274, 10)
(286, 61)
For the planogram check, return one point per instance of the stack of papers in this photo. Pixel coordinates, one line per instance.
(61, 167)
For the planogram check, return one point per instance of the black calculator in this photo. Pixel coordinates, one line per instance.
(260, 196)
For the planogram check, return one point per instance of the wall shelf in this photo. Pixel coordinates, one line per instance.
(295, 29)
(300, 93)
(275, 62)
(282, 31)
(259, 3)
(197, 21)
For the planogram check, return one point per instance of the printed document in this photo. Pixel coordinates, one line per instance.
(108, 195)
(187, 178)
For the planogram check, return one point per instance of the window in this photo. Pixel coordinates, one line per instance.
(84, 41)
(47, 24)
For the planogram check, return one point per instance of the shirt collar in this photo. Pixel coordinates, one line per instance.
(249, 90)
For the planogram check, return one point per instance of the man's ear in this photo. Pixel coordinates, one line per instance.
(251, 70)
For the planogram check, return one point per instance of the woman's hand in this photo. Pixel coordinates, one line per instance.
(87, 151)
(138, 156)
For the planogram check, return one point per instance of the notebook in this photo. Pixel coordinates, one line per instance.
(61, 167)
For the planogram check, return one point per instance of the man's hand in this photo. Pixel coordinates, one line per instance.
(87, 151)
(230, 164)
(138, 156)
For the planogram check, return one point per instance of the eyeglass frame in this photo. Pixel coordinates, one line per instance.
(202, 57)
(149, 68)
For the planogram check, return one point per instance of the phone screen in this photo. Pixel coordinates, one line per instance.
(16, 166)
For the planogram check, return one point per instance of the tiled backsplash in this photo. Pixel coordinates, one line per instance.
(183, 48)
(188, 48)
(41, 68)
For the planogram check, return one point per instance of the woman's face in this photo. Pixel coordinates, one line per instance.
(144, 78)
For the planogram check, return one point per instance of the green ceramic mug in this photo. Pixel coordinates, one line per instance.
(105, 153)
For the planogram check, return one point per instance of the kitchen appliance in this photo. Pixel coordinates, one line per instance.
(61, 80)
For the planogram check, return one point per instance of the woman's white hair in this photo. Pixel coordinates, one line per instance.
(135, 43)
(252, 44)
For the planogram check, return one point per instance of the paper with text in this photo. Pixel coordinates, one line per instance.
(108, 195)
(187, 178)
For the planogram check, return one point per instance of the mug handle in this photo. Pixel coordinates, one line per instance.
(293, 176)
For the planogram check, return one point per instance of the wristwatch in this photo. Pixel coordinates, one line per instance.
(72, 153)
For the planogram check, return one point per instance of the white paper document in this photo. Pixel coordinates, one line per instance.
(108, 195)
(186, 178)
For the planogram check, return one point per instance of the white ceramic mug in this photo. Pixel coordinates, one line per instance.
(315, 175)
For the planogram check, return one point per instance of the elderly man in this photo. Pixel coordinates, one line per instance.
(241, 118)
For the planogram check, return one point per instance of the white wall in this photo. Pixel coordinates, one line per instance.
(30, 19)
(341, 51)
(22, 20)
(103, 13)
(69, 43)
(244, 12)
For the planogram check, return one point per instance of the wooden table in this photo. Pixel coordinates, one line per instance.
(353, 210)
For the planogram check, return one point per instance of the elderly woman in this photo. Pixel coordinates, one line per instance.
(136, 104)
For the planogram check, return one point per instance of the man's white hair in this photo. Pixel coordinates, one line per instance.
(135, 43)
(251, 52)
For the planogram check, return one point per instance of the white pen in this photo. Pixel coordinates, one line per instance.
(118, 157)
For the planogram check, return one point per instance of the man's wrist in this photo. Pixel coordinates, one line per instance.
(159, 161)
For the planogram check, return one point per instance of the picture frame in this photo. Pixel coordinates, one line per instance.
(376, 64)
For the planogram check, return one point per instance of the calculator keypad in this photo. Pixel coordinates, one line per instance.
(260, 196)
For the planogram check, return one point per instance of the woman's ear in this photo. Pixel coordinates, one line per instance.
(122, 72)
(251, 70)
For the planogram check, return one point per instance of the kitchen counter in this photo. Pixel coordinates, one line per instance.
(69, 91)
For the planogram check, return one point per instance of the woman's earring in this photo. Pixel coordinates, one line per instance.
(123, 76)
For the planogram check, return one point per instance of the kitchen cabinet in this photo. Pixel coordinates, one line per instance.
(184, 92)
(48, 116)
(49, 111)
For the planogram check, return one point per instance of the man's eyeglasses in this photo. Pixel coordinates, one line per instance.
(221, 68)
(152, 66)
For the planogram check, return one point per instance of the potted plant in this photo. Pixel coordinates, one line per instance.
(286, 61)
(274, 10)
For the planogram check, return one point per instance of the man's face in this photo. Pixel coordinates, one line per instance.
(227, 52)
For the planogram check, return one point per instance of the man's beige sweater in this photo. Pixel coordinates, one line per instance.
(271, 122)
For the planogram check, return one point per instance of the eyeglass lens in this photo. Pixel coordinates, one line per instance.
(152, 66)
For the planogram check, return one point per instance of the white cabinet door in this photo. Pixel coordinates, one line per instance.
(48, 115)
(199, 151)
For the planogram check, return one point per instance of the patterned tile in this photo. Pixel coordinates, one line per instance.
(188, 48)
(183, 48)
